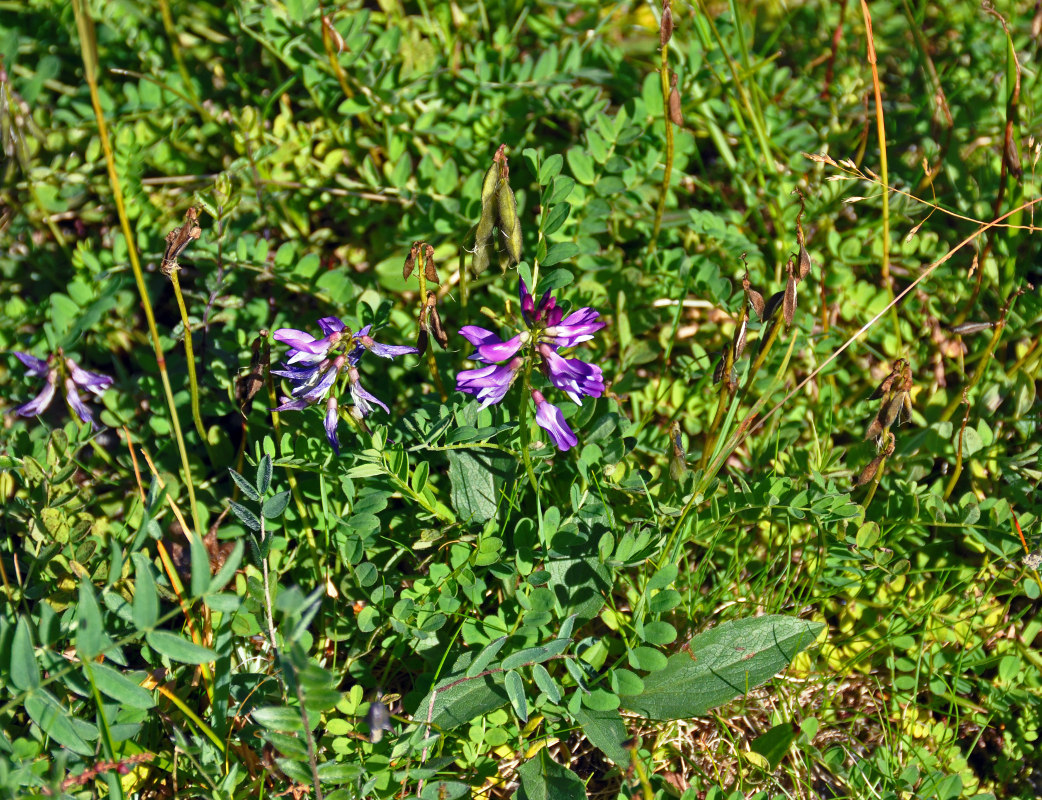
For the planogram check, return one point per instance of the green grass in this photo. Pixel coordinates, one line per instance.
(755, 575)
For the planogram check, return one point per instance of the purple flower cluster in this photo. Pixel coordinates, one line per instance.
(76, 378)
(548, 331)
(313, 366)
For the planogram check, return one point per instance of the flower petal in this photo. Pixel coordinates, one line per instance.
(36, 366)
(488, 384)
(478, 336)
(573, 375)
(364, 401)
(92, 381)
(500, 351)
(77, 404)
(332, 418)
(331, 325)
(39, 403)
(549, 418)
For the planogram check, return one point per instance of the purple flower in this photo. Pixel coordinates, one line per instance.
(549, 418)
(548, 331)
(77, 378)
(488, 384)
(313, 367)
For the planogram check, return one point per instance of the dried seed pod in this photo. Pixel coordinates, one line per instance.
(178, 239)
(676, 115)
(739, 338)
(410, 261)
(440, 336)
(430, 271)
(247, 386)
(1011, 155)
(718, 370)
(421, 341)
(789, 302)
(771, 306)
(508, 221)
(805, 263)
(665, 28)
(869, 472)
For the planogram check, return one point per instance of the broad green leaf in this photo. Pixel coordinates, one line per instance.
(246, 517)
(516, 692)
(178, 648)
(56, 722)
(200, 567)
(244, 486)
(605, 730)
(559, 252)
(484, 658)
(546, 683)
(118, 686)
(459, 701)
(90, 630)
(579, 585)
(722, 664)
(146, 598)
(542, 778)
(581, 165)
(445, 790)
(550, 169)
(25, 672)
(472, 474)
(278, 718)
(663, 578)
(775, 743)
(535, 655)
(264, 474)
(275, 505)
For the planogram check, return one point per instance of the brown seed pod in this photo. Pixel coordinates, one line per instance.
(805, 263)
(676, 115)
(440, 336)
(1011, 155)
(247, 386)
(789, 302)
(771, 306)
(718, 370)
(410, 261)
(430, 271)
(665, 28)
(869, 472)
(739, 339)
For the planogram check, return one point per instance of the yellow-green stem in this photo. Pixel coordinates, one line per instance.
(193, 382)
(881, 135)
(668, 172)
(85, 26)
(522, 421)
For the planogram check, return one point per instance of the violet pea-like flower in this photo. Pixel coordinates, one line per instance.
(313, 367)
(550, 419)
(76, 378)
(548, 331)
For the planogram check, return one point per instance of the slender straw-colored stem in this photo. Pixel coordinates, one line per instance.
(881, 133)
(668, 171)
(88, 52)
(193, 383)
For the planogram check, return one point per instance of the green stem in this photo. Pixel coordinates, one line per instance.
(193, 382)
(88, 52)
(668, 172)
(522, 421)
